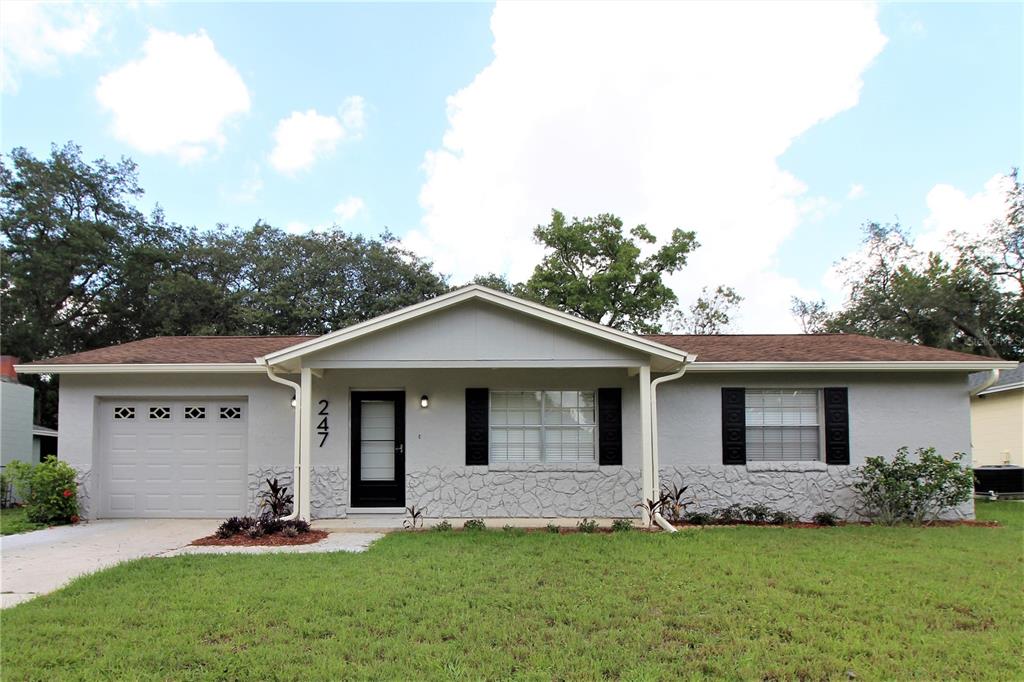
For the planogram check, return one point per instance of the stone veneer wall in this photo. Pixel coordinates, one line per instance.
(529, 491)
(84, 481)
(799, 488)
(328, 484)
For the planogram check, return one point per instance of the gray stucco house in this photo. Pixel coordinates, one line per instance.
(478, 404)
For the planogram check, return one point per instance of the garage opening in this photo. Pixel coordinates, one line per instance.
(173, 458)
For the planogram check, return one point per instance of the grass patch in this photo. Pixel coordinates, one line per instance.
(14, 520)
(735, 603)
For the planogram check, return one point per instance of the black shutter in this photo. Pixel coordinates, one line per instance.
(476, 426)
(837, 426)
(609, 426)
(734, 426)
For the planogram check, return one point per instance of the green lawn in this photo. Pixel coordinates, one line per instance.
(735, 603)
(13, 521)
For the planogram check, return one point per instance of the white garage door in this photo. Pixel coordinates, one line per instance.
(173, 458)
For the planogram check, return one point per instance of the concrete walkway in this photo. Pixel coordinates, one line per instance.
(41, 561)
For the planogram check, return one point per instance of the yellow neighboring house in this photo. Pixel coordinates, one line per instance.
(997, 420)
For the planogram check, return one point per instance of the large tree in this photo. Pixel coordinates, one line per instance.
(595, 270)
(83, 268)
(969, 298)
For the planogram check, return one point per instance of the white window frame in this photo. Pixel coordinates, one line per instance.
(819, 410)
(542, 427)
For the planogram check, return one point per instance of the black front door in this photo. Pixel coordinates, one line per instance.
(378, 449)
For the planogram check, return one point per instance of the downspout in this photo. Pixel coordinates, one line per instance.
(656, 486)
(990, 380)
(297, 466)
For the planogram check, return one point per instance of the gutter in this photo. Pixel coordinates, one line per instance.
(297, 470)
(990, 380)
(656, 484)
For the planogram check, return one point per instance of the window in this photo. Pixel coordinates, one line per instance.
(783, 425)
(195, 412)
(231, 413)
(159, 413)
(542, 426)
(122, 412)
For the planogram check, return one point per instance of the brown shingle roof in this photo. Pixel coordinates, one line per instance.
(805, 348)
(718, 348)
(181, 350)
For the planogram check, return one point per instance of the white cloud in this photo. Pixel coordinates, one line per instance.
(35, 36)
(349, 208)
(669, 114)
(304, 137)
(952, 210)
(177, 99)
(856, 191)
(248, 189)
(353, 115)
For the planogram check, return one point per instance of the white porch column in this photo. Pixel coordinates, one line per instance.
(647, 473)
(305, 442)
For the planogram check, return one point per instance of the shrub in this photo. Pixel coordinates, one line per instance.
(902, 490)
(276, 500)
(474, 524)
(6, 490)
(700, 518)
(300, 526)
(552, 528)
(756, 513)
(271, 524)
(824, 518)
(230, 527)
(621, 525)
(651, 507)
(672, 504)
(415, 519)
(781, 518)
(255, 531)
(443, 526)
(586, 525)
(731, 514)
(289, 532)
(48, 489)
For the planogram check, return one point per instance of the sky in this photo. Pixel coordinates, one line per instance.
(772, 130)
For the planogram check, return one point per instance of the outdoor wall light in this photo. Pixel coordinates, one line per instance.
(424, 401)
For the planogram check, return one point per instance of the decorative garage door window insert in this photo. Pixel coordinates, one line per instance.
(124, 412)
(543, 426)
(160, 412)
(195, 412)
(230, 412)
(783, 424)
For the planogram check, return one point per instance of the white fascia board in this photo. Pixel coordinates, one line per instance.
(140, 368)
(471, 364)
(853, 366)
(477, 292)
(1004, 387)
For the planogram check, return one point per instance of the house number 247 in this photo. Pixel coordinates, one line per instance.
(322, 429)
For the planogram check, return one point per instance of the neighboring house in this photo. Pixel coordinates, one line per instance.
(997, 419)
(479, 404)
(44, 442)
(16, 403)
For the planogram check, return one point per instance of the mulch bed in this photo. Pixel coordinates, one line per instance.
(275, 540)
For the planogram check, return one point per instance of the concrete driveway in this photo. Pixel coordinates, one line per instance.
(43, 560)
